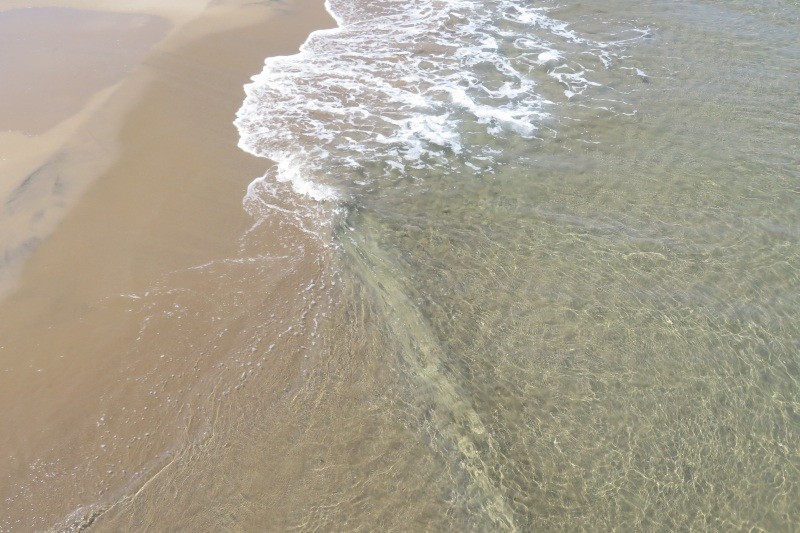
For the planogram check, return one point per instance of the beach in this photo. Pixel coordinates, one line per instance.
(145, 182)
(399, 266)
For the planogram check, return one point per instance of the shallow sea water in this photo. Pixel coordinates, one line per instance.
(569, 305)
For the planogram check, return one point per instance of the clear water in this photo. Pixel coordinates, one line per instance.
(563, 239)
(574, 231)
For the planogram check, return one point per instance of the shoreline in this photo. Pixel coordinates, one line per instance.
(84, 379)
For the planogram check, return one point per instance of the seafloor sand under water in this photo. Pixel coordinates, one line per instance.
(517, 267)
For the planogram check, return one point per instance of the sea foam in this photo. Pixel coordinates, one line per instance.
(401, 87)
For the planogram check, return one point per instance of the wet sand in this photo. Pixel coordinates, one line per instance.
(60, 65)
(119, 342)
(58, 57)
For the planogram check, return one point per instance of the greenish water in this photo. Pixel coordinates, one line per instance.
(592, 325)
(607, 336)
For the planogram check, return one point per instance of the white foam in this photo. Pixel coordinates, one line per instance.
(403, 84)
(550, 56)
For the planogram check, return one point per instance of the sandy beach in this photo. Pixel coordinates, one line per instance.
(128, 189)
(455, 266)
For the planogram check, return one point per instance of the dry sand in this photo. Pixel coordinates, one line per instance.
(121, 339)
